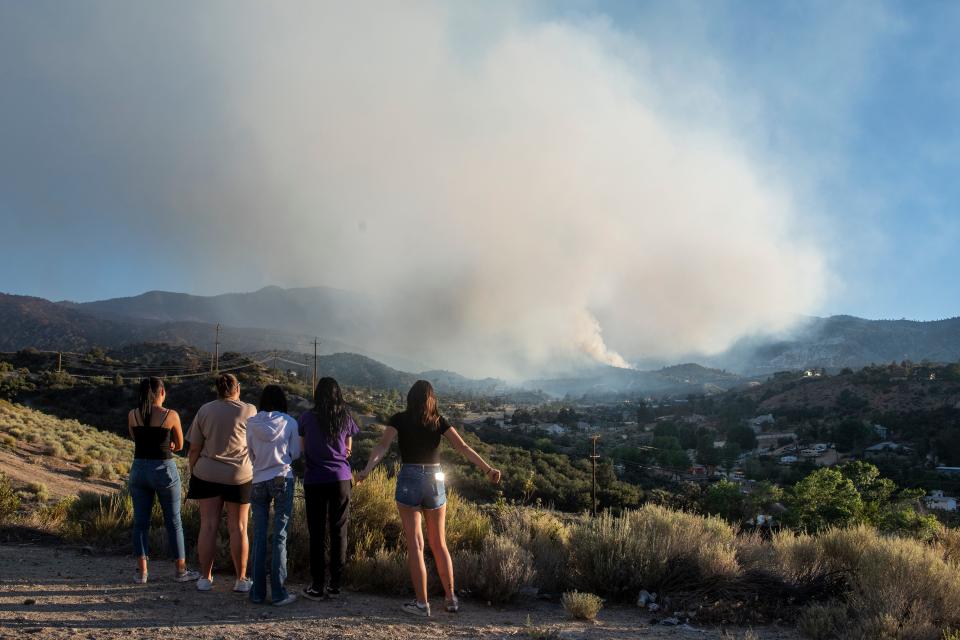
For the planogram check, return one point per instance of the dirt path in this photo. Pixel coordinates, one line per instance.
(89, 597)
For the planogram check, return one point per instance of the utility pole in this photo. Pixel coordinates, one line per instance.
(215, 359)
(276, 370)
(314, 385)
(59, 361)
(593, 467)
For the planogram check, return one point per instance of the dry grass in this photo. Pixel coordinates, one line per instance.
(63, 439)
(581, 606)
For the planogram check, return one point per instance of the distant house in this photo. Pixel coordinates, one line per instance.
(881, 431)
(554, 429)
(949, 471)
(770, 441)
(758, 422)
(788, 459)
(697, 470)
(936, 500)
(887, 447)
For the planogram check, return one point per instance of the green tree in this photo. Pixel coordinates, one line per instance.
(823, 499)
(743, 436)
(724, 499)
(850, 434)
(707, 454)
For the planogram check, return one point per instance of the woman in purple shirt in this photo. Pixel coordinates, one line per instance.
(327, 431)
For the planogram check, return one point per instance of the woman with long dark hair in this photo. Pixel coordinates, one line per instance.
(327, 432)
(157, 434)
(421, 490)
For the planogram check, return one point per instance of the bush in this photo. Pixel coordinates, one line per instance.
(102, 521)
(823, 621)
(467, 527)
(618, 556)
(581, 606)
(498, 572)
(39, 491)
(374, 521)
(9, 501)
(383, 571)
(92, 470)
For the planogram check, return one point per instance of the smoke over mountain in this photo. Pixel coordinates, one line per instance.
(514, 191)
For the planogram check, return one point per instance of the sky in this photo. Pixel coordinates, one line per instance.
(616, 179)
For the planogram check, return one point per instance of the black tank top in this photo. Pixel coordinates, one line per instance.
(151, 443)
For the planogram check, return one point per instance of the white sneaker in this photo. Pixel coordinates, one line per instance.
(416, 609)
(204, 584)
(186, 576)
(290, 599)
(140, 578)
(242, 585)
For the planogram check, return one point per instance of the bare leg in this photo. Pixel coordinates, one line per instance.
(414, 535)
(180, 565)
(435, 519)
(142, 564)
(238, 516)
(210, 509)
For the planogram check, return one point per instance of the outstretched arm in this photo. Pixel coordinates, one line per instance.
(379, 451)
(467, 452)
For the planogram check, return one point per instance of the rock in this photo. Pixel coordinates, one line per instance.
(670, 622)
(653, 606)
(29, 601)
(644, 598)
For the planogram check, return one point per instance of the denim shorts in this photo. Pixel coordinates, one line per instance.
(419, 486)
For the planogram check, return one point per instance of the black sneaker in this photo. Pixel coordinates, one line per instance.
(312, 593)
(333, 592)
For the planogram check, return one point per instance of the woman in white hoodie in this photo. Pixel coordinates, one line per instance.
(274, 443)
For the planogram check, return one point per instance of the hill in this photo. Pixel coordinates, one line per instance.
(679, 379)
(846, 341)
(48, 458)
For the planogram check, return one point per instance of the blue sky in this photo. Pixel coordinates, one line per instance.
(855, 105)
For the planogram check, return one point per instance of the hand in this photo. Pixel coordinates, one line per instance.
(362, 476)
(349, 451)
(493, 475)
(173, 446)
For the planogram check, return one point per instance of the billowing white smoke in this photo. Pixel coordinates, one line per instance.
(514, 189)
(526, 186)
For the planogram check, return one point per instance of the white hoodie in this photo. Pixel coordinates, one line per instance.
(274, 443)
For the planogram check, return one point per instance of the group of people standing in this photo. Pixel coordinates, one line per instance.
(241, 457)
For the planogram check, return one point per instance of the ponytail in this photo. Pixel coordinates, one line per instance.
(150, 389)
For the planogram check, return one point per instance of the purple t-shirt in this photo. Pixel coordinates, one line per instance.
(326, 458)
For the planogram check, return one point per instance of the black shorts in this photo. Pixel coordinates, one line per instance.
(237, 493)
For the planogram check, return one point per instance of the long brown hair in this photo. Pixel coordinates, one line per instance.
(150, 390)
(422, 405)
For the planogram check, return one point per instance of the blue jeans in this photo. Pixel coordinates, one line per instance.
(160, 478)
(279, 491)
(421, 486)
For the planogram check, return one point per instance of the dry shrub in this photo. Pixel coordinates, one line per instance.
(619, 555)
(825, 621)
(498, 572)
(384, 571)
(549, 543)
(581, 606)
(904, 589)
(467, 527)
(102, 521)
(948, 541)
(9, 501)
(374, 520)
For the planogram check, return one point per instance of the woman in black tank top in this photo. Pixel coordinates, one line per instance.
(156, 434)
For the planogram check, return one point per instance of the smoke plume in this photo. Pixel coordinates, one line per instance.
(515, 191)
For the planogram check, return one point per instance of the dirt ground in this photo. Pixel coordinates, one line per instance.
(57, 592)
